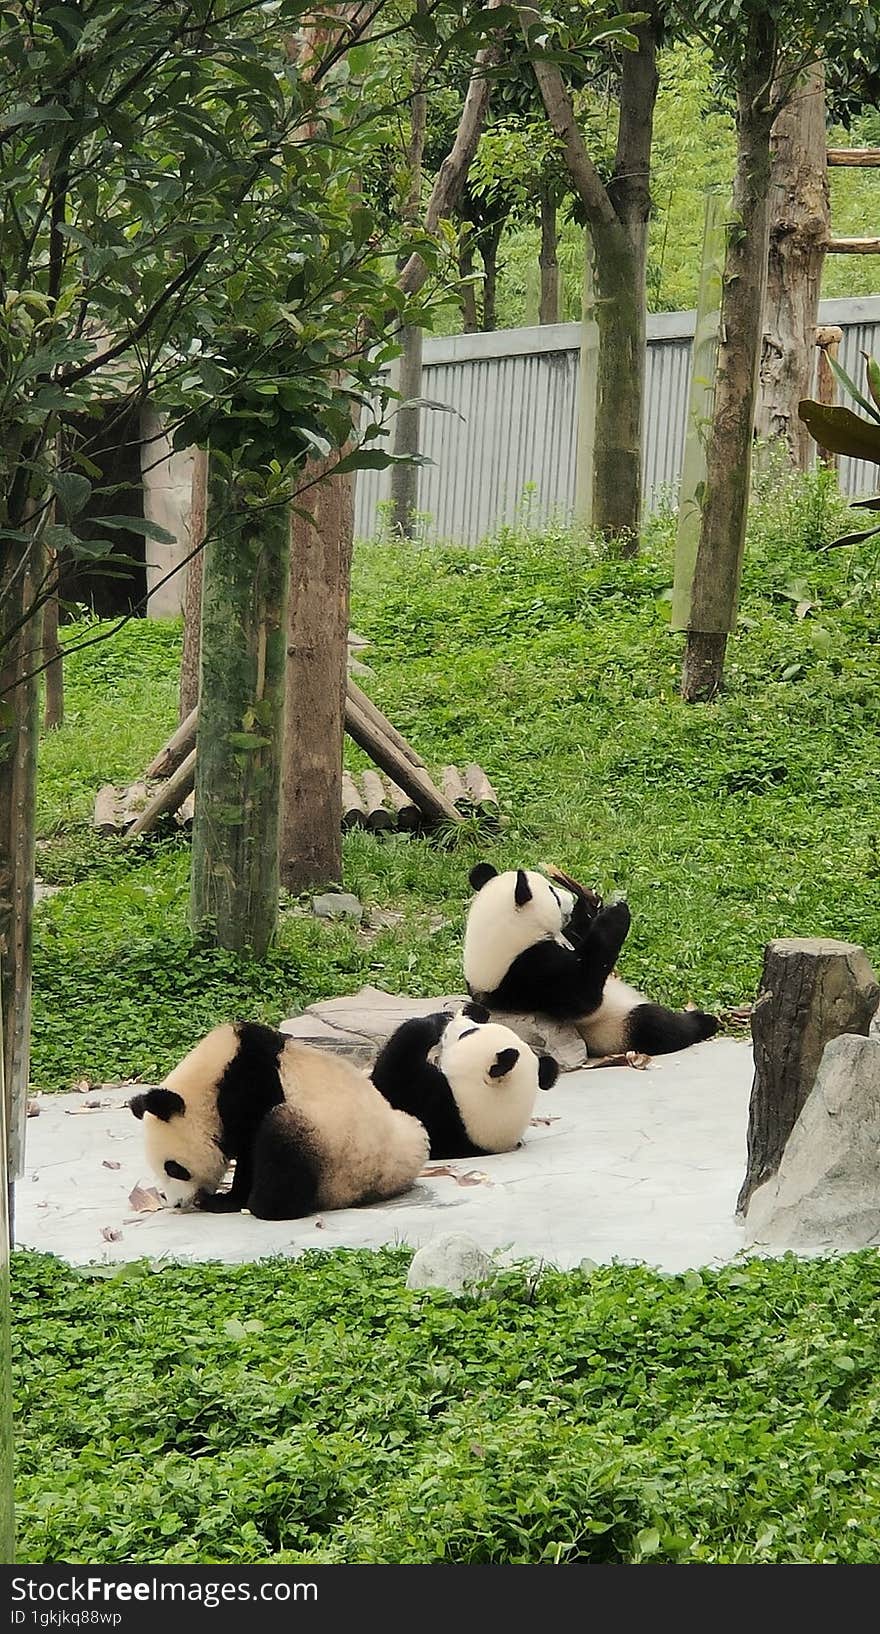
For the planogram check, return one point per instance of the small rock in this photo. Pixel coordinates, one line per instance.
(337, 905)
(33, 1109)
(452, 1261)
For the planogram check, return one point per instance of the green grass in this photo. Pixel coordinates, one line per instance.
(552, 665)
(315, 1411)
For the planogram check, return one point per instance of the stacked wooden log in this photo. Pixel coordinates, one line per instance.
(401, 795)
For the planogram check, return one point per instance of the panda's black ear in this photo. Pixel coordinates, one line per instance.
(523, 892)
(476, 1012)
(548, 1071)
(163, 1103)
(504, 1062)
(480, 875)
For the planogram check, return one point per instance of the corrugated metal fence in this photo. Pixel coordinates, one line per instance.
(509, 445)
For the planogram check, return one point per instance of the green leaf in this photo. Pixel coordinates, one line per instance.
(850, 386)
(648, 1541)
(247, 740)
(71, 490)
(841, 431)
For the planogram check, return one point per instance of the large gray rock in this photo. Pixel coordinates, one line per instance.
(454, 1261)
(825, 1196)
(337, 905)
(357, 1026)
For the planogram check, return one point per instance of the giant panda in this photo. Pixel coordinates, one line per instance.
(471, 1082)
(307, 1130)
(532, 945)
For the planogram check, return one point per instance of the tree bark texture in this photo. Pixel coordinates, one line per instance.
(470, 321)
(234, 886)
(404, 486)
(20, 654)
(799, 216)
(618, 219)
(192, 603)
(317, 644)
(548, 311)
(715, 586)
(812, 990)
(53, 675)
(489, 243)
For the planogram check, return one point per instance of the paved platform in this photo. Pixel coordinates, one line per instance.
(637, 1166)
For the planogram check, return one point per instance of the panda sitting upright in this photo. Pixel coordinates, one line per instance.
(531, 945)
(470, 1081)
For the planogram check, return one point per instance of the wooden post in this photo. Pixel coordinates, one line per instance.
(812, 990)
(828, 339)
(699, 416)
(173, 753)
(167, 799)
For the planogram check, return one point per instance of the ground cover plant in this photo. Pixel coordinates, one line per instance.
(314, 1410)
(550, 663)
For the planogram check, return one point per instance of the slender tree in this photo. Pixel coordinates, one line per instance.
(799, 217)
(763, 50)
(617, 213)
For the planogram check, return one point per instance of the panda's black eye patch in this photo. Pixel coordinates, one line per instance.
(176, 1171)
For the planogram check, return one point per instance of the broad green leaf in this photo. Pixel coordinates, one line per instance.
(841, 431)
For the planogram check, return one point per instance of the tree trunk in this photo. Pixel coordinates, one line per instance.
(317, 645)
(53, 701)
(620, 320)
(489, 251)
(618, 220)
(404, 491)
(19, 731)
(234, 888)
(192, 605)
(470, 323)
(715, 586)
(548, 310)
(404, 488)
(7, 1469)
(799, 220)
(812, 990)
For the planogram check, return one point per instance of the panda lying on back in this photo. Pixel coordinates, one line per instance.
(307, 1130)
(471, 1082)
(531, 945)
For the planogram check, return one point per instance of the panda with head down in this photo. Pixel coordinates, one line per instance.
(534, 944)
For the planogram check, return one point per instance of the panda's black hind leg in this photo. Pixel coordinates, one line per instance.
(655, 1031)
(285, 1171)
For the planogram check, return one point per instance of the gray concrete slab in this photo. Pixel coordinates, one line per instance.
(636, 1166)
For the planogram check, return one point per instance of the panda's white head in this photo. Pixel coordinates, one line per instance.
(510, 913)
(182, 1124)
(494, 1078)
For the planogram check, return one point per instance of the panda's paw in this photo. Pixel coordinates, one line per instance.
(217, 1202)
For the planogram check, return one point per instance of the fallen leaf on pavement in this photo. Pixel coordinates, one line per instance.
(145, 1199)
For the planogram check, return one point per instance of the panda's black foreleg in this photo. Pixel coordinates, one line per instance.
(403, 1056)
(236, 1198)
(600, 948)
